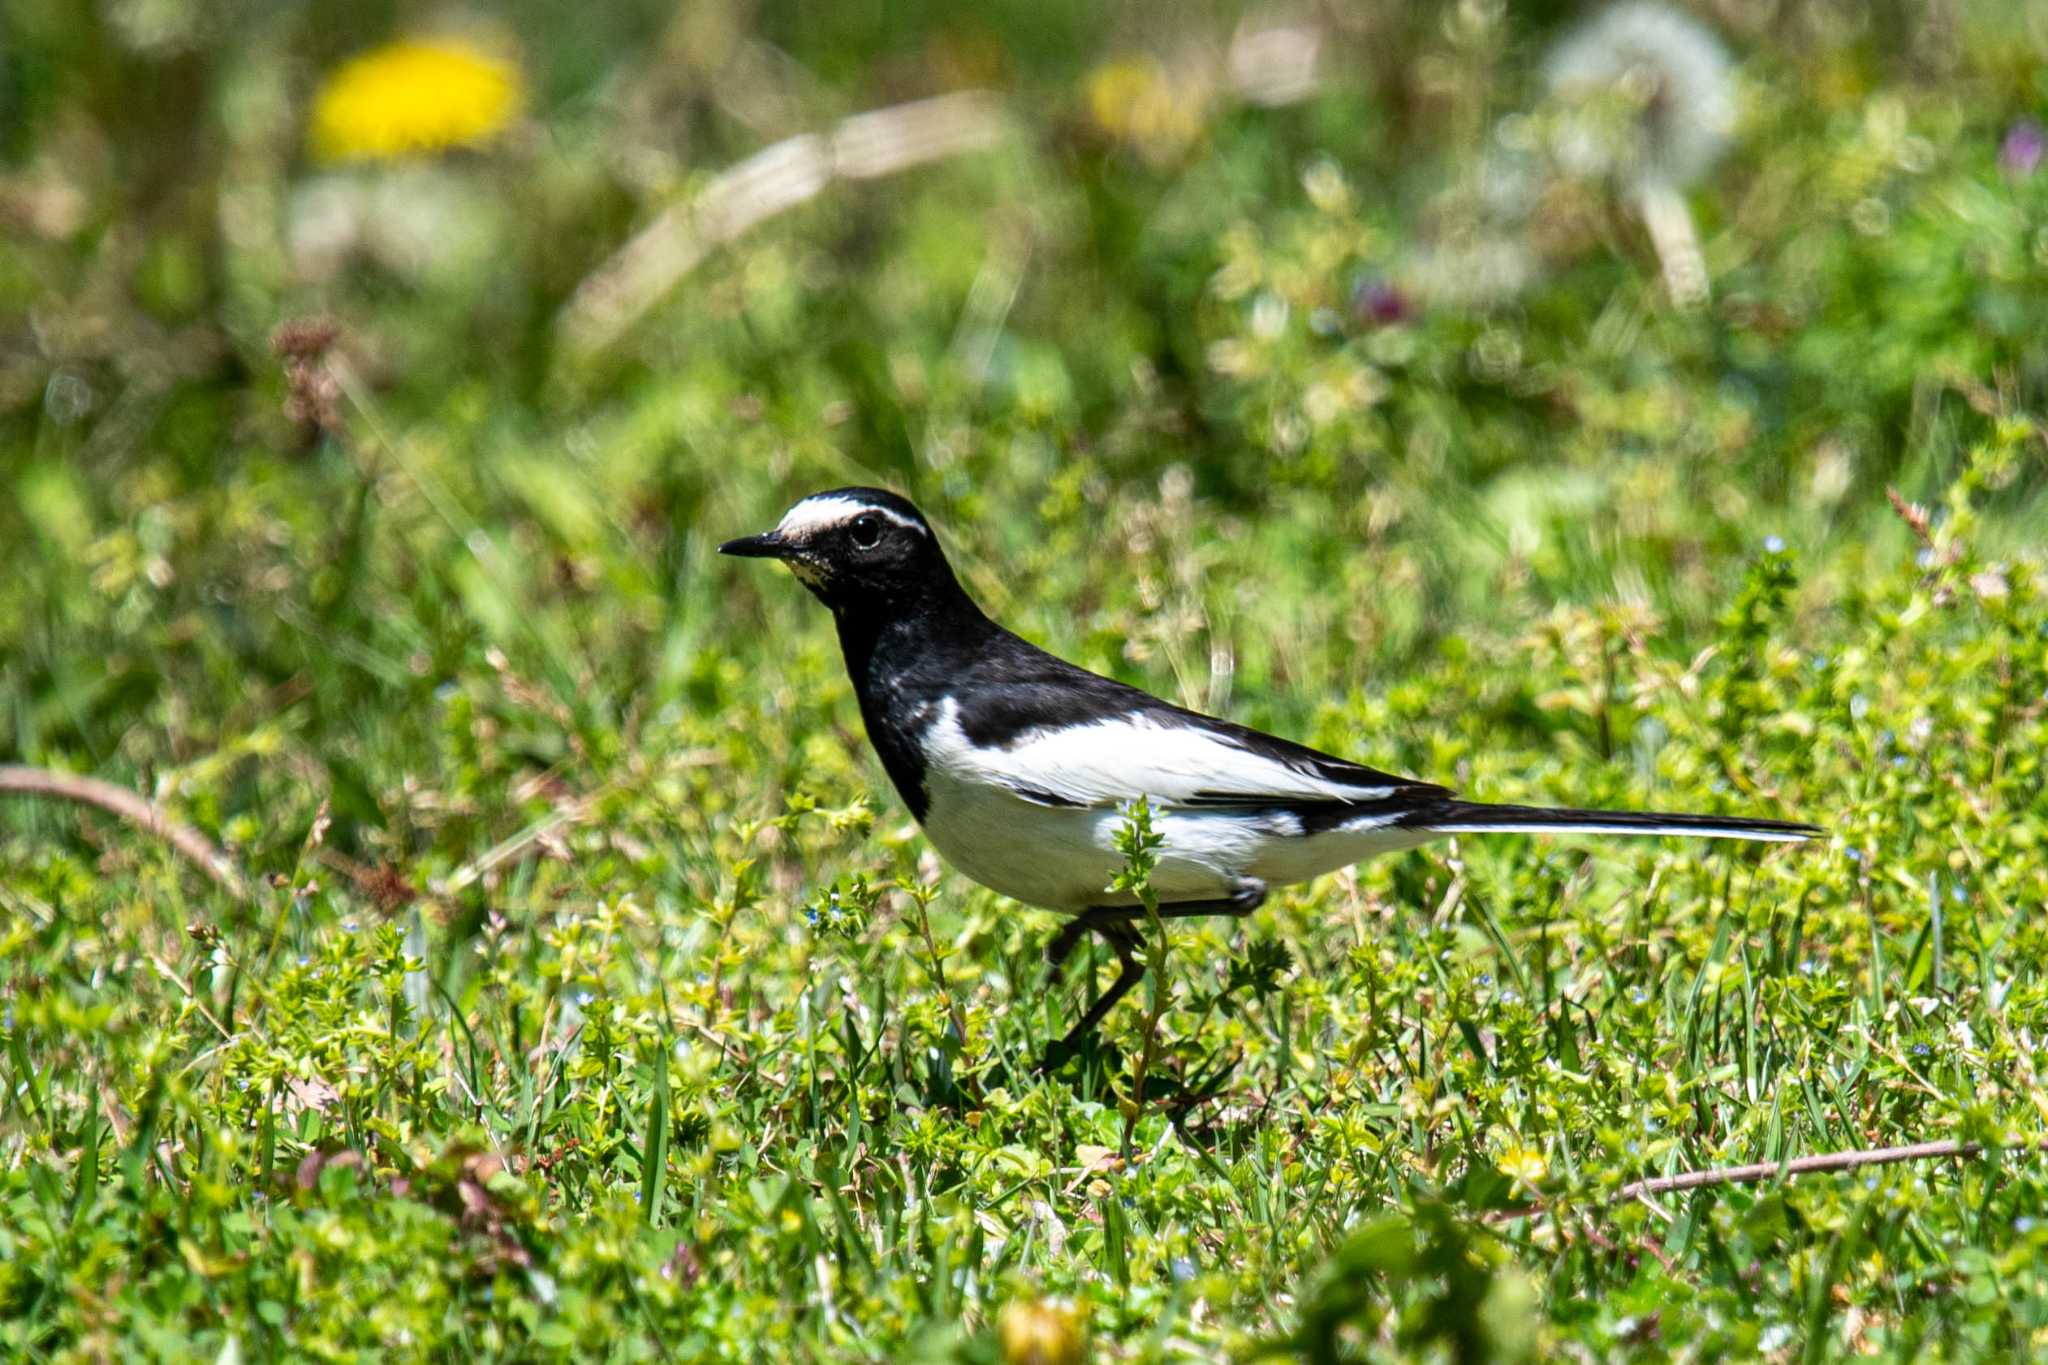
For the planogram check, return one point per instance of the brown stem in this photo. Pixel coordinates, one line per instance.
(1804, 1165)
(1766, 1170)
(137, 810)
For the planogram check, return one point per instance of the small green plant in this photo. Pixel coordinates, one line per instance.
(842, 910)
(1139, 844)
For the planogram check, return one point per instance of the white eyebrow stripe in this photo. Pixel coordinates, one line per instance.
(816, 514)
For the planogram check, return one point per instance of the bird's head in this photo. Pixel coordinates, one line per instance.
(854, 548)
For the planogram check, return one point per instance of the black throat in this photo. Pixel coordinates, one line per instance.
(904, 653)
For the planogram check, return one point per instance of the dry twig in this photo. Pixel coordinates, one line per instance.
(772, 180)
(136, 809)
(1804, 1165)
(1755, 1172)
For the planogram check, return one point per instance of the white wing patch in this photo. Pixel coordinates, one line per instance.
(826, 510)
(1108, 762)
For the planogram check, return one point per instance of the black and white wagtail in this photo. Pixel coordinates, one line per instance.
(1019, 766)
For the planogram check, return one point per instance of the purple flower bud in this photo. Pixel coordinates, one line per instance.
(1377, 303)
(2021, 151)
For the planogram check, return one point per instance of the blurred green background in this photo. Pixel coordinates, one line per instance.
(1384, 299)
(1508, 395)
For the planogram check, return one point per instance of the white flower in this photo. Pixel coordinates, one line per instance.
(1649, 94)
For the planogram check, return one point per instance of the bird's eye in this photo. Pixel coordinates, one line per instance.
(865, 533)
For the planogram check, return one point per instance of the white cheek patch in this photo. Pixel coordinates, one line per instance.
(810, 575)
(813, 515)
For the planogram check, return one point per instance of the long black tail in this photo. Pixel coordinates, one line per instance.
(1474, 817)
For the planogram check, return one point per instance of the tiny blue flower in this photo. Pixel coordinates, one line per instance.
(1775, 544)
(1921, 1049)
(1486, 978)
(2022, 1224)
(1183, 1269)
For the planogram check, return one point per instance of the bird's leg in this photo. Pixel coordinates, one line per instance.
(1120, 936)
(1114, 924)
(1062, 946)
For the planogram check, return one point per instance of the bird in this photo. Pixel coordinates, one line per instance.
(1021, 768)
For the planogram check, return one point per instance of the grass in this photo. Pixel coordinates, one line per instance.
(590, 993)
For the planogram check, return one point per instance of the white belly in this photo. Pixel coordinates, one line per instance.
(1062, 858)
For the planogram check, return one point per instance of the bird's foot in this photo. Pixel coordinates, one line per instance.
(1249, 896)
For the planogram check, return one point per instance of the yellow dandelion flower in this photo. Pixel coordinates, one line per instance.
(1139, 101)
(413, 96)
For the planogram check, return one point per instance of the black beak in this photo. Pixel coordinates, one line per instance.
(767, 545)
